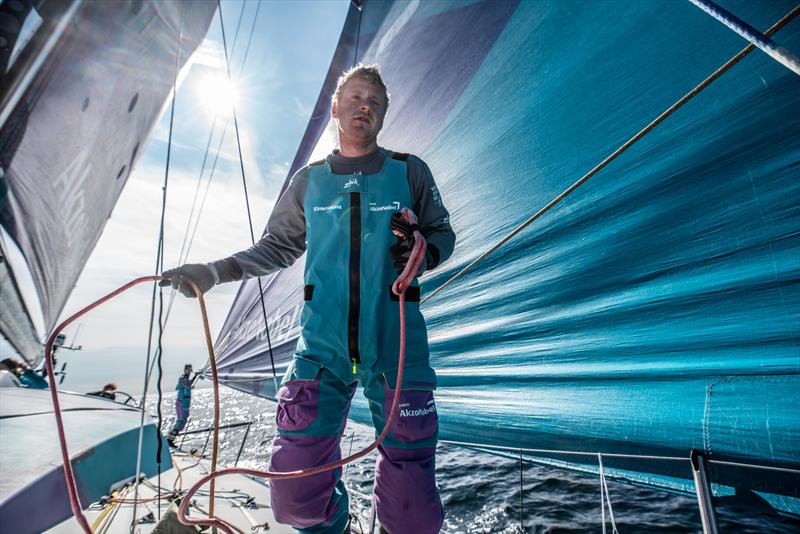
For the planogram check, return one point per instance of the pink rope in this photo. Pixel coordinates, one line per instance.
(69, 475)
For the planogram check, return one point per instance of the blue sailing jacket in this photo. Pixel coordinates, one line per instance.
(350, 318)
(184, 389)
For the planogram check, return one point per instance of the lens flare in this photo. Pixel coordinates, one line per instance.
(217, 95)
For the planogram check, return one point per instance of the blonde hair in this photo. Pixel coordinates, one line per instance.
(369, 73)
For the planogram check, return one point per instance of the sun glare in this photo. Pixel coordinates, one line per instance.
(217, 95)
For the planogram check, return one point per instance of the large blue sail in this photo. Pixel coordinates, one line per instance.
(657, 309)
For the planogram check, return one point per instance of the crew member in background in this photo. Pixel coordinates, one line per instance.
(108, 392)
(343, 211)
(23, 372)
(182, 402)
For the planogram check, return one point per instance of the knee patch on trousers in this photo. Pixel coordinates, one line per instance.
(312, 401)
(298, 402)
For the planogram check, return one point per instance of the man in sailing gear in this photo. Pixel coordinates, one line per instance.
(108, 392)
(183, 401)
(339, 210)
(23, 372)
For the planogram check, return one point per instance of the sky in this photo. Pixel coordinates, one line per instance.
(275, 91)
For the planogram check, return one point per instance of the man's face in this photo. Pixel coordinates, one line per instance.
(360, 110)
(187, 371)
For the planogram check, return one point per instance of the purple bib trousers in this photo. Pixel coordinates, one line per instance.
(312, 412)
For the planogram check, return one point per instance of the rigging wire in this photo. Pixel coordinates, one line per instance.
(249, 40)
(194, 231)
(160, 256)
(160, 350)
(644, 131)
(159, 267)
(521, 494)
(181, 258)
(605, 498)
(247, 202)
(360, 8)
(602, 496)
(196, 194)
(205, 192)
(745, 31)
(238, 23)
(192, 222)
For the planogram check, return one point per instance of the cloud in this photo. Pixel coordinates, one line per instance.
(127, 250)
(210, 53)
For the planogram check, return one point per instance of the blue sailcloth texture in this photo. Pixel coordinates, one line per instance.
(657, 309)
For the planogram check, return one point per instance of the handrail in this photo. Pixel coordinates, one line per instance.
(569, 453)
(618, 455)
(221, 427)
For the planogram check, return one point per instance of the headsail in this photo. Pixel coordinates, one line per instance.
(653, 312)
(15, 321)
(75, 132)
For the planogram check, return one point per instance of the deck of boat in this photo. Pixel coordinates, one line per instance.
(102, 437)
(239, 500)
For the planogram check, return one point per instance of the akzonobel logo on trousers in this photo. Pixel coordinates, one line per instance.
(419, 412)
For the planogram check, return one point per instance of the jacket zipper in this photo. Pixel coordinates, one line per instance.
(355, 279)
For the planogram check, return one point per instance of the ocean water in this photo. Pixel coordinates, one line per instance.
(482, 493)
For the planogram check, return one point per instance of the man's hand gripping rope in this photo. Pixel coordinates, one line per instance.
(399, 287)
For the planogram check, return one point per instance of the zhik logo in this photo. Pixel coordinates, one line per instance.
(350, 183)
